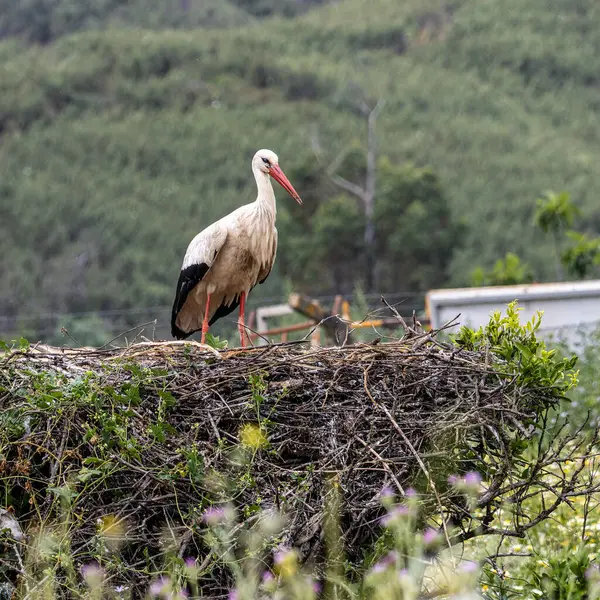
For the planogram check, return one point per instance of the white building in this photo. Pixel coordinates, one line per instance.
(569, 308)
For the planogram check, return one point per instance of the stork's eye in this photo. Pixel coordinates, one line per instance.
(266, 161)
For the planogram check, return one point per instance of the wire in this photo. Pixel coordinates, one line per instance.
(118, 319)
(117, 312)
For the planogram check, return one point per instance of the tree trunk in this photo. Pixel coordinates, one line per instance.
(366, 195)
(559, 271)
(370, 257)
(369, 201)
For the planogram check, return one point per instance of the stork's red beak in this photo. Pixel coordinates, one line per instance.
(278, 175)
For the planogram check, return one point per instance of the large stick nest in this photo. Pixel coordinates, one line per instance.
(149, 434)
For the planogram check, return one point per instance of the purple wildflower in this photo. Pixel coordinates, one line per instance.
(155, 587)
(214, 515)
(411, 493)
(281, 555)
(430, 536)
(468, 566)
(233, 595)
(286, 562)
(472, 479)
(91, 572)
(159, 586)
(593, 572)
(379, 567)
(386, 492)
(387, 561)
(400, 510)
(316, 586)
(268, 581)
(190, 562)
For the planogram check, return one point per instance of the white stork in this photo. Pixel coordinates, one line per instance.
(226, 260)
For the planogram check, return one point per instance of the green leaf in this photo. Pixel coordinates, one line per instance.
(64, 493)
(168, 400)
(85, 474)
(524, 349)
(215, 342)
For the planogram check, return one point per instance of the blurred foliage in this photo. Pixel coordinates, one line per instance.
(564, 575)
(89, 330)
(338, 227)
(265, 8)
(118, 145)
(325, 252)
(582, 255)
(416, 231)
(507, 271)
(43, 21)
(582, 407)
(555, 212)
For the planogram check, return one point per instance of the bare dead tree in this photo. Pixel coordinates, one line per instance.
(365, 193)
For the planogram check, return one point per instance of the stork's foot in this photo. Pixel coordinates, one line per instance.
(205, 320)
(204, 332)
(241, 320)
(243, 343)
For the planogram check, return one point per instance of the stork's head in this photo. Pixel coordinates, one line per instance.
(267, 162)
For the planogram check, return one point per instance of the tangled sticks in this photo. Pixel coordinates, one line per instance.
(153, 434)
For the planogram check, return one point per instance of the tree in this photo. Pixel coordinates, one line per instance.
(554, 214)
(43, 21)
(364, 191)
(582, 255)
(337, 234)
(415, 232)
(265, 8)
(507, 271)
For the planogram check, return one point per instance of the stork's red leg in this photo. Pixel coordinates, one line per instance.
(205, 322)
(241, 324)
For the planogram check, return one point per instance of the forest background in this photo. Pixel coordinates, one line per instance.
(126, 127)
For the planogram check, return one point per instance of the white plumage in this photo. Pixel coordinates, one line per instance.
(226, 260)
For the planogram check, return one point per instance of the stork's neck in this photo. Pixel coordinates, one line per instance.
(266, 196)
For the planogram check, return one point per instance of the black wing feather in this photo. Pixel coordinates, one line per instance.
(189, 278)
(223, 311)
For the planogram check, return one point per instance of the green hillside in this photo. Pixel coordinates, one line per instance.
(42, 21)
(117, 146)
